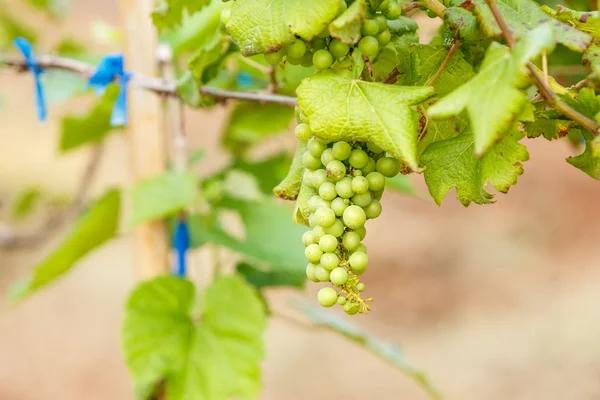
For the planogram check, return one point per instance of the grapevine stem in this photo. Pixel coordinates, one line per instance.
(435, 6)
(455, 46)
(159, 86)
(549, 96)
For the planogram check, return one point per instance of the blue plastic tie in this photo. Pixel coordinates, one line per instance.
(181, 244)
(40, 101)
(244, 80)
(109, 68)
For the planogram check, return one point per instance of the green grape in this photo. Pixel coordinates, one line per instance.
(338, 276)
(362, 232)
(303, 132)
(316, 147)
(345, 73)
(225, 15)
(315, 202)
(362, 199)
(310, 272)
(293, 61)
(338, 49)
(361, 248)
(358, 158)
(354, 217)
(309, 161)
(351, 240)
(431, 14)
(378, 194)
(338, 205)
(370, 167)
(296, 49)
(275, 57)
(327, 157)
(307, 60)
(319, 177)
(360, 184)
(327, 297)
(318, 44)
(358, 262)
(374, 148)
(344, 188)
(313, 253)
(324, 217)
(376, 181)
(321, 273)
(361, 287)
(382, 22)
(336, 170)
(394, 11)
(327, 191)
(329, 261)
(324, 34)
(369, 27)
(341, 150)
(343, 7)
(312, 222)
(351, 308)
(357, 172)
(322, 59)
(384, 38)
(369, 46)
(337, 229)
(341, 300)
(373, 210)
(307, 177)
(388, 166)
(384, 5)
(318, 233)
(308, 238)
(328, 243)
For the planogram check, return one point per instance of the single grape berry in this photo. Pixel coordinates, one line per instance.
(394, 11)
(384, 5)
(327, 156)
(358, 262)
(369, 27)
(337, 229)
(351, 241)
(322, 274)
(362, 232)
(293, 61)
(328, 243)
(341, 150)
(376, 181)
(313, 253)
(369, 46)
(318, 44)
(310, 272)
(358, 158)
(327, 191)
(303, 132)
(296, 49)
(309, 161)
(370, 167)
(374, 148)
(362, 199)
(351, 308)
(341, 300)
(361, 287)
(316, 147)
(338, 276)
(324, 217)
(338, 49)
(308, 238)
(378, 194)
(360, 184)
(388, 166)
(307, 60)
(327, 297)
(357, 172)
(329, 261)
(373, 210)
(344, 188)
(315, 202)
(382, 22)
(336, 170)
(338, 205)
(354, 217)
(361, 248)
(318, 178)
(322, 59)
(318, 233)
(384, 38)
(275, 57)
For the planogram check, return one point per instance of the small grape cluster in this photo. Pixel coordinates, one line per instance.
(349, 179)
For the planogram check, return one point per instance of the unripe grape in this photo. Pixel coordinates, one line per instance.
(313, 253)
(275, 57)
(341, 150)
(341, 300)
(376, 181)
(327, 191)
(351, 308)
(362, 232)
(328, 243)
(322, 59)
(362, 199)
(384, 5)
(337, 229)
(225, 15)
(338, 49)
(318, 233)
(388, 166)
(360, 184)
(354, 217)
(338, 205)
(344, 188)
(312, 221)
(431, 14)
(383, 38)
(369, 46)
(329, 261)
(358, 262)
(369, 27)
(336, 170)
(307, 177)
(373, 210)
(327, 157)
(358, 158)
(324, 217)
(318, 178)
(361, 287)
(378, 194)
(324, 34)
(322, 274)
(315, 202)
(374, 148)
(342, 7)
(316, 147)
(361, 248)
(370, 167)
(351, 240)
(307, 60)
(309, 161)
(345, 73)
(381, 21)
(296, 49)
(394, 11)
(303, 132)
(310, 273)
(293, 61)
(338, 276)
(318, 44)
(357, 172)
(327, 296)
(308, 238)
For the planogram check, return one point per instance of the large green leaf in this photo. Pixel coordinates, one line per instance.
(212, 355)
(589, 160)
(262, 26)
(169, 13)
(493, 98)
(347, 26)
(452, 163)
(161, 196)
(337, 108)
(94, 228)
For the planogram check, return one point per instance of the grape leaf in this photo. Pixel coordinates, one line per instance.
(261, 279)
(401, 183)
(549, 128)
(521, 16)
(402, 25)
(338, 108)
(262, 26)
(347, 26)
(493, 98)
(452, 163)
(98, 225)
(168, 13)
(589, 160)
(289, 188)
(161, 196)
(211, 356)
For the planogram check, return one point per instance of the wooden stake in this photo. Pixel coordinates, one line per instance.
(146, 139)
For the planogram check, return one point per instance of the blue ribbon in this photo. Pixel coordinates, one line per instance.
(109, 68)
(181, 242)
(40, 102)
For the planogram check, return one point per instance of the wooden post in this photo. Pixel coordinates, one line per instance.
(145, 131)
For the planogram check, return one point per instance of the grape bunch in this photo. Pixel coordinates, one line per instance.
(348, 179)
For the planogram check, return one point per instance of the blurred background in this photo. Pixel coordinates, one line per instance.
(493, 302)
